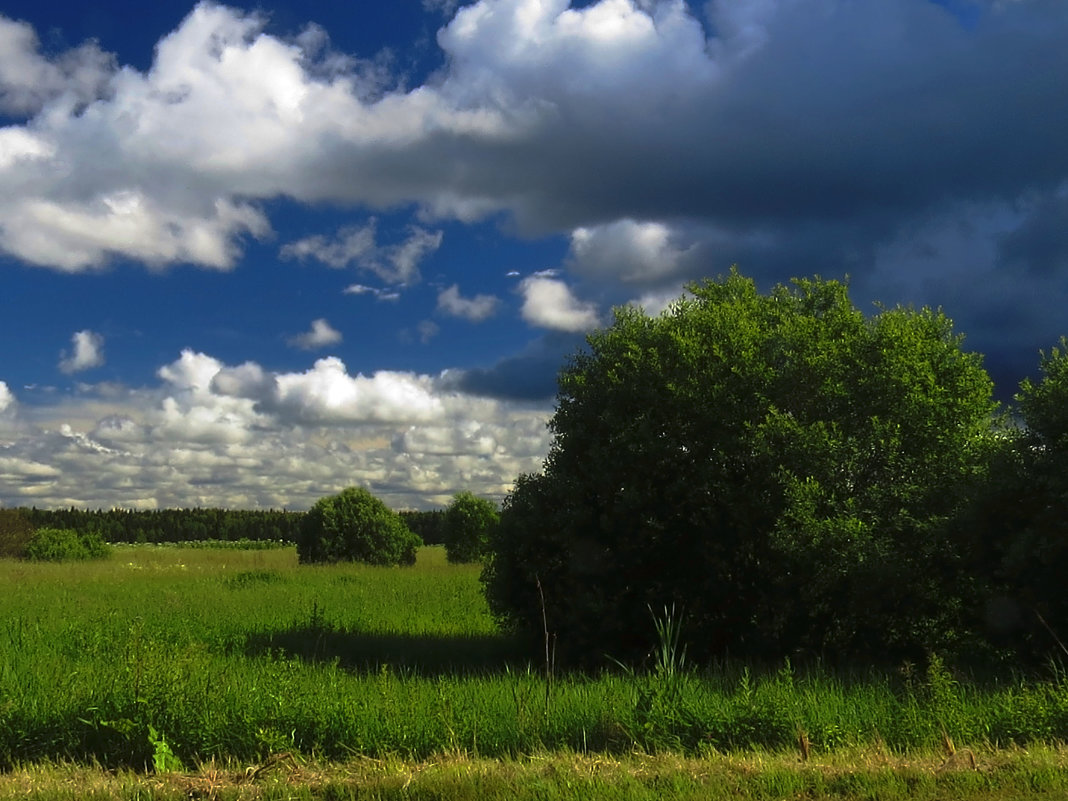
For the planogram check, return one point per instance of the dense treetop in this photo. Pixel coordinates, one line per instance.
(780, 465)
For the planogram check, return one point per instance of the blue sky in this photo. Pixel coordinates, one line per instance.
(252, 254)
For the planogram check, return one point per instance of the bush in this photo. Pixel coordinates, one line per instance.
(16, 531)
(468, 524)
(786, 469)
(65, 545)
(355, 526)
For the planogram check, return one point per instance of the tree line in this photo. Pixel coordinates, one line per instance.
(194, 524)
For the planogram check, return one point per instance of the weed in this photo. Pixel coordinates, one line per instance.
(163, 758)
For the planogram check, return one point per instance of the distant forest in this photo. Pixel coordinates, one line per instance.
(188, 525)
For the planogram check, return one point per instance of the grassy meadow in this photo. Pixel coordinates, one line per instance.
(170, 661)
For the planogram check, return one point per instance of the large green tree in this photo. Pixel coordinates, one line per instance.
(355, 526)
(780, 466)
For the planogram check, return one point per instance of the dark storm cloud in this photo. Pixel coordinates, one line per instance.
(529, 375)
(1040, 244)
(845, 111)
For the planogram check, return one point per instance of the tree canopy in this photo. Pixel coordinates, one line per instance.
(355, 526)
(469, 520)
(779, 465)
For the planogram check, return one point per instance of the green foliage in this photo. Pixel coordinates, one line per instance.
(1045, 405)
(428, 524)
(163, 758)
(355, 526)
(468, 524)
(1031, 518)
(65, 545)
(782, 466)
(16, 530)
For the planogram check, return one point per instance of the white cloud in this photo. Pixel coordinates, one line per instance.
(326, 393)
(88, 352)
(8, 403)
(654, 303)
(397, 263)
(26, 472)
(18, 145)
(388, 294)
(191, 373)
(548, 303)
(321, 335)
(350, 244)
(627, 250)
(74, 236)
(476, 309)
(28, 80)
(210, 434)
(192, 410)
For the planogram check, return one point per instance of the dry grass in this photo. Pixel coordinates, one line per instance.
(711, 776)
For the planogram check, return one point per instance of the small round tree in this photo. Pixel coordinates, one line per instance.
(468, 524)
(355, 526)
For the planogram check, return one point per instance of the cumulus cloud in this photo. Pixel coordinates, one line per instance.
(321, 335)
(7, 400)
(629, 251)
(475, 309)
(29, 80)
(212, 434)
(327, 393)
(397, 263)
(548, 303)
(88, 352)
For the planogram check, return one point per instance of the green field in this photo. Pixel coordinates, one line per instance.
(163, 664)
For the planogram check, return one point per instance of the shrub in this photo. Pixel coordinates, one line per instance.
(16, 531)
(65, 545)
(355, 526)
(468, 524)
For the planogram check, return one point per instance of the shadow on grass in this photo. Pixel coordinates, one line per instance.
(361, 651)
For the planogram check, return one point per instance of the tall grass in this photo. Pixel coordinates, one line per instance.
(240, 654)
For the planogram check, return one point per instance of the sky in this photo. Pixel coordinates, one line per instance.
(251, 254)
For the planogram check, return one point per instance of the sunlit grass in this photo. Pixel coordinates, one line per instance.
(237, 655)
(556, 776)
